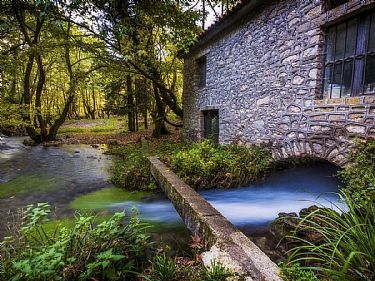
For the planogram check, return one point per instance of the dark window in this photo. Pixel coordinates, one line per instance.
(202, 69)
(350, 58)
(335, 3)
(211, 124)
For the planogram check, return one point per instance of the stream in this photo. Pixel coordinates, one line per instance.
(76, 177)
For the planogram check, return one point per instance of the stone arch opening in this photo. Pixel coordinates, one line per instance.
(335, 152)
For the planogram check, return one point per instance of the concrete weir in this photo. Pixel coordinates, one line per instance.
(224, 242)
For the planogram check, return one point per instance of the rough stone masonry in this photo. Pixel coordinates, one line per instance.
(264, 76)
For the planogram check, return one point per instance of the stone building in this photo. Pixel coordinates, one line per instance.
(295, 75)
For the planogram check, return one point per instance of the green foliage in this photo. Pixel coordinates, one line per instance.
(216, 272)
(164, 268)
(345, 249)
(132, 171)
(109, 250)
(295, 272)
(206, 164)
(359, 174)
(10, 118)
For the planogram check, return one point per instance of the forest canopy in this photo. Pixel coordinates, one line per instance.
(72, 59)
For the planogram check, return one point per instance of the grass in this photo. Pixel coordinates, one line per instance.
(26, 184)
(104, 197)
(97, 126)
(346, 248)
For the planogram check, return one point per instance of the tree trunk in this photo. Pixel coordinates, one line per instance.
(160, 128)
(130, 104)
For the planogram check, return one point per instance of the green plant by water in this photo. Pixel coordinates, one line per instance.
(359, 174)
(207, 164)
(110, 250)
(344, 244)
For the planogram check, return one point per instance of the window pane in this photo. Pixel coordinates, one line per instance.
(351, 38)
(372, 34)
(369, 85)
(336, 83)
(331, 44)
(347, 79)
(327, 81)
(340, 41)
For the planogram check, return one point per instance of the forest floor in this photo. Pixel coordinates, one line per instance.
(106, 131)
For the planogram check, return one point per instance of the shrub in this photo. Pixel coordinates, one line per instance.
(110, 250)
(132, 170)
(346, 247)
(359, 174)
(206, 164)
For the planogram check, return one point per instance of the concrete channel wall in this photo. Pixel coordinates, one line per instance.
(224, 242)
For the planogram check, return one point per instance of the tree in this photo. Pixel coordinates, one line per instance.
(43, 38)
(139, 36)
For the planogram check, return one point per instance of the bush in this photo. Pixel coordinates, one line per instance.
(132, 170)
(359, 174)
(110, 250)
(207, 165)
(346, 246)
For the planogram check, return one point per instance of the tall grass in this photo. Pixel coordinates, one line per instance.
(346, 247)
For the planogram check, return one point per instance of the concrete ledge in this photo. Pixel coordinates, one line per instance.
(225, 243)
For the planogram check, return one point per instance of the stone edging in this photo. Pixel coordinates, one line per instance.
(225, 242)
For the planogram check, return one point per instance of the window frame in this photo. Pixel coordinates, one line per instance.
(209, 115)
(358, 59)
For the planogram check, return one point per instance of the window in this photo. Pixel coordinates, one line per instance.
(335, 3)
(202, 68)
(211, 125)
(350, 58)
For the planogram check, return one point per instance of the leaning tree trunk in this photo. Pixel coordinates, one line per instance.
(160, 128)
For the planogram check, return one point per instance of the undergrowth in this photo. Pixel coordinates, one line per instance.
(343, 247)
(359, 175)
(110, 250)
(91, 250)
(207, 165)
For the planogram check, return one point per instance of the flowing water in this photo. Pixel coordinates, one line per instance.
(72, 177)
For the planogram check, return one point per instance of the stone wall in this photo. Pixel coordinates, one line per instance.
(265, 78)
(225, 243)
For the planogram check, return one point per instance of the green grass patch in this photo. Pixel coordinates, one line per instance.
(26, 184)
(97, 126)
(104, 197)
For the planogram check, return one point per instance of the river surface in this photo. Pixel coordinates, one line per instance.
(69, 171)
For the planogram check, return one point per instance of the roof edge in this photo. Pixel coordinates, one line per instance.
(238, 13)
